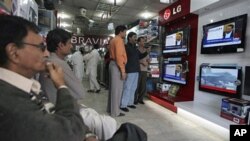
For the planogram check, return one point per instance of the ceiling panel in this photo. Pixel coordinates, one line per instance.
(137, 4)
(104, 12)
(129, 11)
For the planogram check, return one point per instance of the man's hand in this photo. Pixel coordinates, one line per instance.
(56, 74)
(148, 49)
(124, 75)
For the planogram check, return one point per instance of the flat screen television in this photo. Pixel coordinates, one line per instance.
(227, 36)
(221, 79)
(177, 41)
(175, 72)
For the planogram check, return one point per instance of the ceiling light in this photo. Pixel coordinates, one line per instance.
(165, 1)
(68, 30)
(64, 24)
(63, 15)
(112, 35)
(211, 21)
(117, 1)
(146, 15)
(90, 20)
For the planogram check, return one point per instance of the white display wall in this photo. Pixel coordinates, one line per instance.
(207, 105)
(242, 59)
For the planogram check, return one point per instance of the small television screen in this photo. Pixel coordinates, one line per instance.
(227, 36)
(175, 72)
(177, 41)
(223, 80)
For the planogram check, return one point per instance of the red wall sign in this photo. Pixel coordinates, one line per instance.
(174, 11)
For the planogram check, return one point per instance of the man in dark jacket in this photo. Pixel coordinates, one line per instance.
(24, 114)
(132, 69)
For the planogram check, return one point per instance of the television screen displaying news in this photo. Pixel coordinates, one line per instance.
(174, 73)
(224, 36)
(177, 41)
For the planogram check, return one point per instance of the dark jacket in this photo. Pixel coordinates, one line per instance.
(133, 55)
(22, 120)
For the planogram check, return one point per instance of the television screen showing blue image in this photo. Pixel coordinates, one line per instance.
(227, 36)
(222, 80)
(177, 41)
(174, 72)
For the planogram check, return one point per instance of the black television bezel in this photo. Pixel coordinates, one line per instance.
(178, 53)
(184, 63)
(238, 89)
(225, 48)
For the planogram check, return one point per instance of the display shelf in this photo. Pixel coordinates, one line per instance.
(165, 99)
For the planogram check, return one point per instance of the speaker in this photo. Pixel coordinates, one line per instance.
(49, 4)
(247, 81)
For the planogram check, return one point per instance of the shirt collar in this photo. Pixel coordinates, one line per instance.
(20, 81)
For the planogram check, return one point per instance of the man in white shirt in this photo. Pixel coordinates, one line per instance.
(77, 60)
(92, 60)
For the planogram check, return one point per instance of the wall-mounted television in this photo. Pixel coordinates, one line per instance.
(221, 79)
(175, 71)
(177, 41)
(226, 36)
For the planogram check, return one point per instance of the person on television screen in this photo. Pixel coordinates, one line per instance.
(178, 71)
(178, 41)
(228, 32)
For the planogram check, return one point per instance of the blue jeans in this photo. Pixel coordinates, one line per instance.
(129, 87)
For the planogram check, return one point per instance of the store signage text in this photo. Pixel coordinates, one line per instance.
(167, 12)
(85, 40)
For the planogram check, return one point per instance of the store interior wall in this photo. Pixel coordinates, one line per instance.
(242, 59)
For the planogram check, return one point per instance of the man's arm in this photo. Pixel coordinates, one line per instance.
(120, 56)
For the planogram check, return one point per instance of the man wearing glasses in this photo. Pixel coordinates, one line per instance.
(24, 115)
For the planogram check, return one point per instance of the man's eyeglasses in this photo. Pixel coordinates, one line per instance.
(41, 46)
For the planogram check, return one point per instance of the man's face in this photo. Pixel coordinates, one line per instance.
(141, 42)
(65, 49)
(123, 34)
(133, 39)
(178, 68)
(229, 29)
(178, 37)
(31, 59)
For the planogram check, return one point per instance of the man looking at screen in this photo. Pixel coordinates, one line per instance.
(228, 32)
(178, 39)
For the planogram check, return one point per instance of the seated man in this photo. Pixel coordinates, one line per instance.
(24, 116)
(59, 46)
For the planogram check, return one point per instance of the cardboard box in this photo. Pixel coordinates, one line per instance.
(163, 87)
(236, 110)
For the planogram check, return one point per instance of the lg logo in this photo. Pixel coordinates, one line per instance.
(167, 12)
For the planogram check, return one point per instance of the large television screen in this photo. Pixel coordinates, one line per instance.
(227, 36)
(224, 80)
(174, 72)
(177, 41)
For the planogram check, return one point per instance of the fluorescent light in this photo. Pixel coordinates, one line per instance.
(164, 1)
(68, 30)
(90, 20)
(117, 1)
(112, 35)
(64, 24)
(146, 15)
(63, 15)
